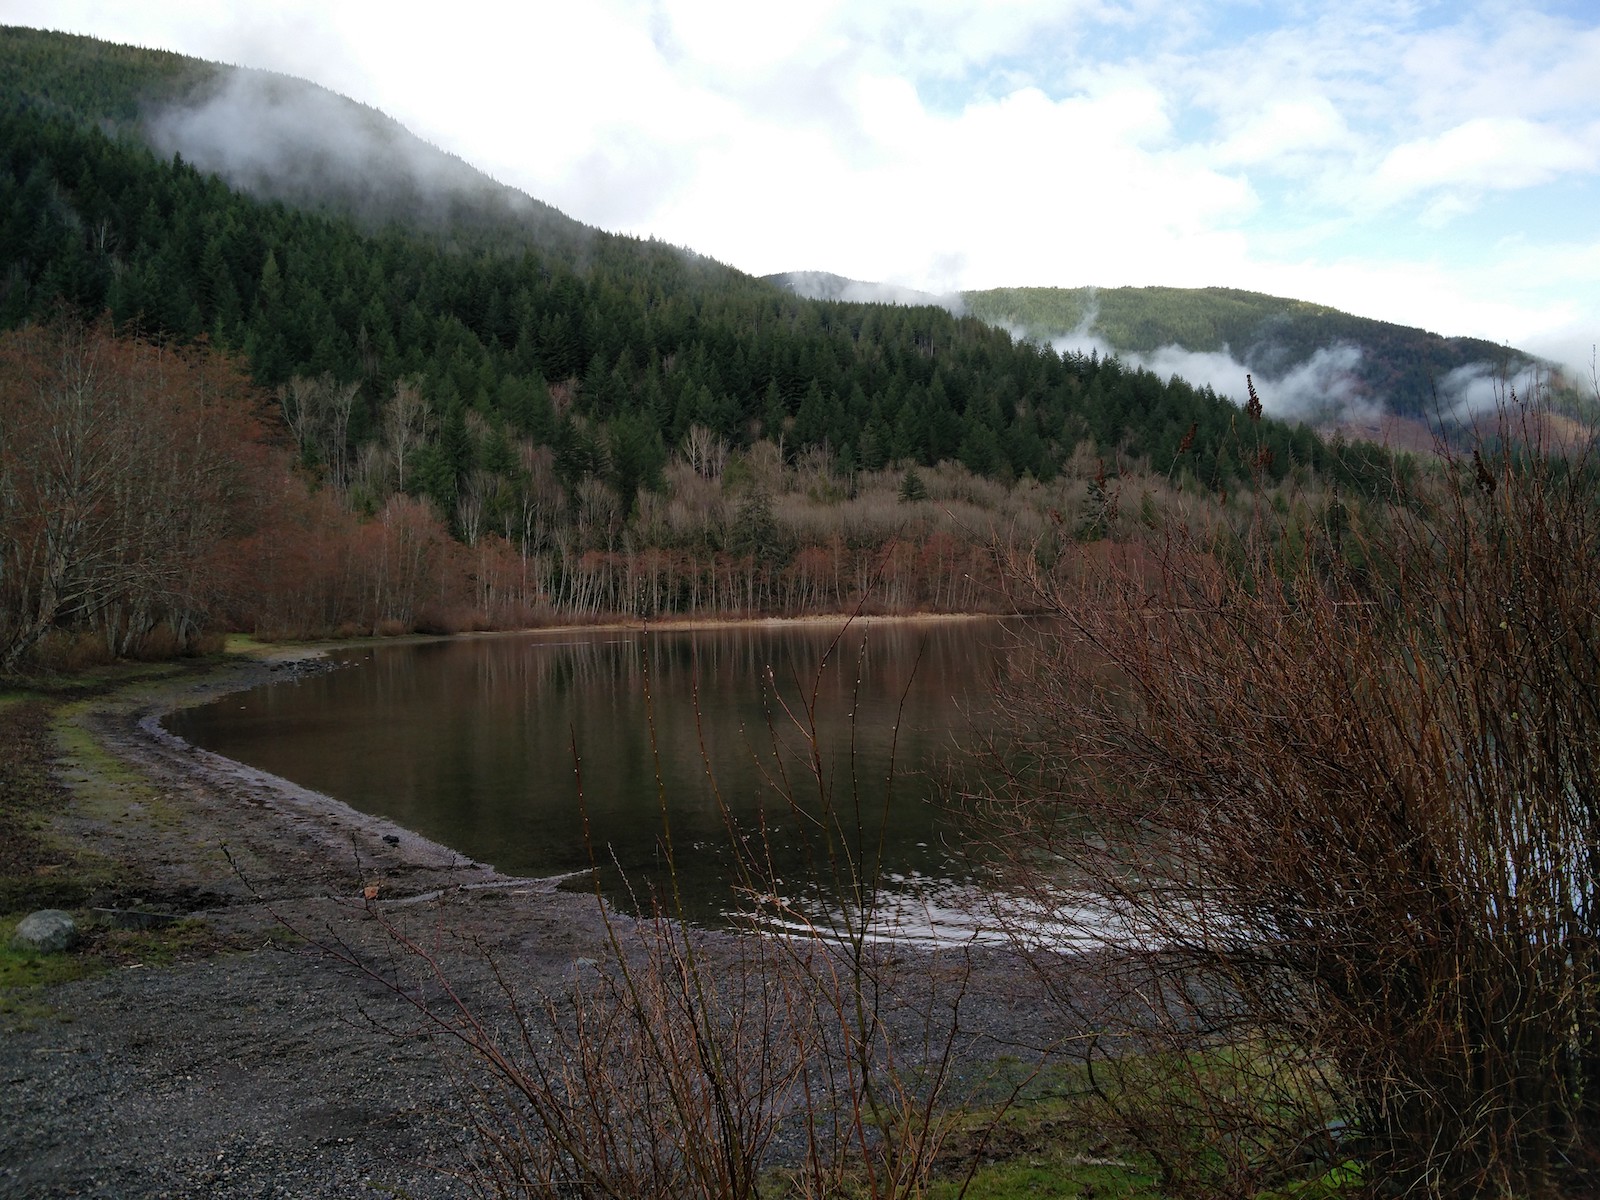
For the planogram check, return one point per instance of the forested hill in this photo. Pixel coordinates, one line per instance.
(1312, 361)
(276, 137)
(610, 357)
(1407, 371)
(602, 423)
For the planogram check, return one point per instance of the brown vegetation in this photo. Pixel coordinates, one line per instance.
(152, 497)
(126, 469)
(1331, 799)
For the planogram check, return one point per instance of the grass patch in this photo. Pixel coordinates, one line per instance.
(1039, 1177)
(1048, 1142)
(182, 941)
(103, 947)
(36, 871)
(243, 643)
(82, 755)
(23, 970)
(26, 977)
(1056, 1140)
(103, 679)
(42, 863)
(1044, 1144)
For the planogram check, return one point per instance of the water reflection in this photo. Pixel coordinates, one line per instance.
(482, 743)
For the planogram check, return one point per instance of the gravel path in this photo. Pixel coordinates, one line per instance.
(271, 1067)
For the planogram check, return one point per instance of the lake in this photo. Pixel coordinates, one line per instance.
(551, 753)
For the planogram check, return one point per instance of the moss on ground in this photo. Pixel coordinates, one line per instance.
(37, 870)
(26, 976)
(53, 771)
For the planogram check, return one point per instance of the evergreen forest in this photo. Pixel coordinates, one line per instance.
(1396, 366)
(1293, 805)
(587, 424)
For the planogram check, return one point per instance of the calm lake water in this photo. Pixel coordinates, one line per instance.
(535, 753)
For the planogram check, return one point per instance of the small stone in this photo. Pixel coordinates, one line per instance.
(47, 931)
(392, 838)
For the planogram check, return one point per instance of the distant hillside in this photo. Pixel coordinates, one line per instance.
(1310, 362)
(275, 137)
(1311, 353)
(820, 285)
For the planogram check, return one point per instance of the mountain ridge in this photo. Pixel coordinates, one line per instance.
(574, 424)
(282, 138)
(312, 148)
(1314, 361)
(610, 350)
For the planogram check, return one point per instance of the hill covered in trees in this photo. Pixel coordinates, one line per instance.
(1353, 360)
(635, 427)
(1314, 362)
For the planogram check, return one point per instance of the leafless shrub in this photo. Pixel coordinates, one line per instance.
(815, 1063)
(1333, 805)
(654, 1077)
(883, 1094)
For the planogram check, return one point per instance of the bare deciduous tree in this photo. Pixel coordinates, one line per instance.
(124, 468)
(705, 451)
(407, 422)
(317, 413)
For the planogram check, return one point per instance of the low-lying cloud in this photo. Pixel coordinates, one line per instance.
(1324, 389)
(1472, 389)
(285, 139)
(820, 285)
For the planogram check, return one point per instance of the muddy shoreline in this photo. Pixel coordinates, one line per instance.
(271, 1067)
(268, 1068)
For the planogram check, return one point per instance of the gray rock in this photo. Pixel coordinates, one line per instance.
(45, 932)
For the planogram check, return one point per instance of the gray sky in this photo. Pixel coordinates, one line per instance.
(1435, 164)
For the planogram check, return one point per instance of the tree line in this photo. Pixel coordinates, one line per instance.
(611, 362)
(578, 426)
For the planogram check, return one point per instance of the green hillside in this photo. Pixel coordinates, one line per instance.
(634, 426)
(311, 148)
(1399, 368)
(86, 80)
(644, 340)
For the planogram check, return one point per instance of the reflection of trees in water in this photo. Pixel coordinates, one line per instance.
(471, 741)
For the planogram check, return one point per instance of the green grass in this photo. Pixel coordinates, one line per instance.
(21, 969)
(1339, 1182)
(1036, 1177)
(102, 785)
(26, 977)
(55, 778)
(1033, 1133)
(1048, 1141)
(1056, 1139)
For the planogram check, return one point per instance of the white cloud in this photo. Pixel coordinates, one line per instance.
(1332, 152)
(1284, 131)
(1505, 61)
(1488, 153)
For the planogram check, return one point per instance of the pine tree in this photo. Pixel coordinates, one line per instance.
(912, 488)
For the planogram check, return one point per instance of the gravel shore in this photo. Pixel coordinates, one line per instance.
(268, 1066)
